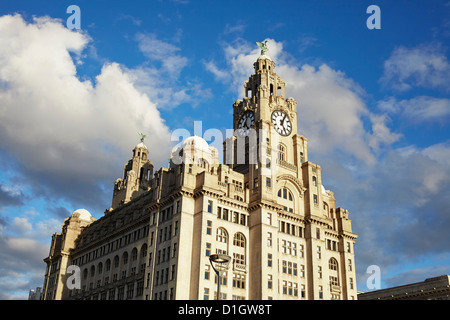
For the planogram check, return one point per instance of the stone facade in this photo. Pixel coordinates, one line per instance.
(437, 288)
(265, 207)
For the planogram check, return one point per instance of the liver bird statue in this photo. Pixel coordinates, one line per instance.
(263, 46)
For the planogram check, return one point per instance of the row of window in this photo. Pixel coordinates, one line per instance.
(222, 235)
(291, 288)
(166, 213)
(238, 278)
(165, 233)
(117, 293)
(112, 246)
(115, 264)
(223, 295)
(164, 278)
(229, 215)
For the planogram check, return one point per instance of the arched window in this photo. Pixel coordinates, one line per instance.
(221, 235)
(134, 254)
(285, 194)
(116, 261)
(286, 200)
(92, 271)
(332, 264)
(144, 250)
(100, 268)
(334, 274)
(202, 163)
(125, 258)
(239, 240)
(108, 265)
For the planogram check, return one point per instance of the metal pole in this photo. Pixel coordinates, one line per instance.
(218, 285)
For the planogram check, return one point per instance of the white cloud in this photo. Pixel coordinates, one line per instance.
(161, 81)
(381, 134)
(418, 109)
(165, 53)
(331, 108)
(22, 225)
(58, 126)
(422, 66)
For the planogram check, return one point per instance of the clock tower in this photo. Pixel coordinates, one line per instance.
(286, 199)
(265, 125)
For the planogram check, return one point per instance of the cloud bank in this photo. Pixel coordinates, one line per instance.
(61, 129)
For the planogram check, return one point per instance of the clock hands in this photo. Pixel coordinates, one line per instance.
(282, 122)
(246, 122)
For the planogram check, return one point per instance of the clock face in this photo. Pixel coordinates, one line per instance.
(281, 122)
(246, 122)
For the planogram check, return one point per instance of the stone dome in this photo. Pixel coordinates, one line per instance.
(141, 145)
(193, 149)
(264, 56)
(83, 214)
(197, 141)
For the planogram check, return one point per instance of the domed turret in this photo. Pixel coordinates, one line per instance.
(194, 150)
(137, 175)
(83, 214)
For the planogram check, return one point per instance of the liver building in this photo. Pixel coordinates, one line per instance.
(264, 208)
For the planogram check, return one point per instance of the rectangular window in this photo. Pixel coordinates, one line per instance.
(210, 204)
(268, 183)
(176, 228)
(302, 271)
(172, 273)
(208, 227)
(207, 272)
(174, 252)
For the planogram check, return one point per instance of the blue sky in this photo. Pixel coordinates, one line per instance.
(374, 105)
